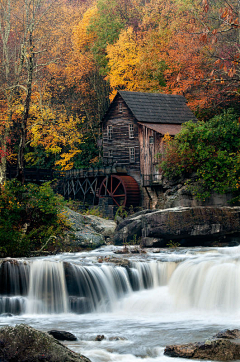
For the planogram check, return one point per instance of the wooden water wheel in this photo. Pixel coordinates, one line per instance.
(123, 190)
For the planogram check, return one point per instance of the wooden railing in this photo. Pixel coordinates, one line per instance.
(35, 175)
(151, 180)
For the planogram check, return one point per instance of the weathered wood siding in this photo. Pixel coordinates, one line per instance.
(120, 118)
(149, 150)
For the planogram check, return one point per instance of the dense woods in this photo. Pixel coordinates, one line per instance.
(61, 62)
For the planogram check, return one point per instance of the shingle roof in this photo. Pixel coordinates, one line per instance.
(172, 129)
(158, 108)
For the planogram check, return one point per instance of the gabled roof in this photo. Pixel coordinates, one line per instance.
(157, 107)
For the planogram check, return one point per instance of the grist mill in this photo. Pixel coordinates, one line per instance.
(132, 140)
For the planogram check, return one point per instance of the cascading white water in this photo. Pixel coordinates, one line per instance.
(55, 287)
(13, 286)
(47, 288)
(207, 285)
(172, 297)
(154, 274)
(98, 287)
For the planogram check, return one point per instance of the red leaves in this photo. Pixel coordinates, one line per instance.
(214, 39)
(205, 5)
(203, 38)
(231, 72)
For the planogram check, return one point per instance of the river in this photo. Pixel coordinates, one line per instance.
(164, 297)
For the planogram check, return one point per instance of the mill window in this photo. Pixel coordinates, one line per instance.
(120, 107)
(151, 140)
(109, 132)
(132, 154)
(110, 153)
(131, 131)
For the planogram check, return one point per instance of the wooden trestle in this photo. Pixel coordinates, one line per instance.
(84, 184)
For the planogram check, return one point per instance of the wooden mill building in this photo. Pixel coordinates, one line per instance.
(132, 133)
(133, 129)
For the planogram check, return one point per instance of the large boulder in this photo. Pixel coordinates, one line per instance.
(225, 348)
(186, 225)
(130, 228)
(102, 226)
(25, 344)
(88, 230)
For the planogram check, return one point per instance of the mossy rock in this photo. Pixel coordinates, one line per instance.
(23, 343)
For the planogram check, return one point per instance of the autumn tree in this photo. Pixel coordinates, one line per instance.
(26, 53)
(86, 84)
(7, 88)
(130, 67)
(221, 31)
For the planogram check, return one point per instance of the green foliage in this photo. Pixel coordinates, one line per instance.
(107, 27)
(121, 212)
(95, 211)
(211, 150)
(173, 244)
(114, 15)
(89, 155)
(29, 215)
(135, 240)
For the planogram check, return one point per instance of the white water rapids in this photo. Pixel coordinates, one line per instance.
(169, 297)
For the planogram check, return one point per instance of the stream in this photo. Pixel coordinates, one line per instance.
(162, 297)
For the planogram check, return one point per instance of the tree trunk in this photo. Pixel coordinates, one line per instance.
(3, 161)
(27, 102)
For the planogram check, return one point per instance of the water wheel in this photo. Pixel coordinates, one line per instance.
(123, 190)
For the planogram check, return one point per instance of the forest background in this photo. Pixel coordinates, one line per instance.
(61, 62)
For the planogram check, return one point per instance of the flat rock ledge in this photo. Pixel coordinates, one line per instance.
(23, 343)
(225, 346)
(189, 226)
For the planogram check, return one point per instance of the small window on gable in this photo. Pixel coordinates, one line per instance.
(132, 154)
(151, 140)
(120, 107)
(109, 132)
(131, 131)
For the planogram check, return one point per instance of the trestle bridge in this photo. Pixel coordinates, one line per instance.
(111, 183)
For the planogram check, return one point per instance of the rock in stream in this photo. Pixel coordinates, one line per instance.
(23, 343)
(225, 346)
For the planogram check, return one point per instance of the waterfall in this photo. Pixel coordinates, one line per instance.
(203, 282)
(14, 277)
(153, 274)
(47, 288)
(96, 288)
(207, 285)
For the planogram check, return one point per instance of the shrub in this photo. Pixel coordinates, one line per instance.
(29, 215)
(211, 150)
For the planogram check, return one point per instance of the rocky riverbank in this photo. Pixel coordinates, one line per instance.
(179, 226)
(224, 346)
(186, 226)
(87, 231)
(23, 343)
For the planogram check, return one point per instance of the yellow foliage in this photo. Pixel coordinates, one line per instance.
(124, 59)
(66, 162)
(167, 138)
(57, 133)
(82, 38)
